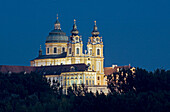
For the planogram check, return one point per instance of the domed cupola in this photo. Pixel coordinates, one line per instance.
(74, 31)
(95, 32)
(57, 35)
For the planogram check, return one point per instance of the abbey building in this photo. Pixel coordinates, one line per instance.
(66, 62)
(62, 50)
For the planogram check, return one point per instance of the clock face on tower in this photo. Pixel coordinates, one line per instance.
(97, 39)
(77, 38)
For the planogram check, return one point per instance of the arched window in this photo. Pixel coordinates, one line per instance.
(88, 64)
(89, 82)
(48, 50)
(90, 51)
(98, 51)
(72, 68)
(63, 49)
(55, 50)
(69, 50)
(77, 50)
(98, 78)
(86, 82)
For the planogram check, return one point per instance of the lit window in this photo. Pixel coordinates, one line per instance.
(93, 82)
(90, 51)
(86, 82)
(89, 82)
(63, 49)
(98, 51)
(64, 83)
(72, 82)
(77, 50)
(55, 50)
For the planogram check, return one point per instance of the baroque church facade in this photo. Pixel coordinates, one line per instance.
(62, 50)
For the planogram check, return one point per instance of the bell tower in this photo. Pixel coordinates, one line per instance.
(76, 44)
(95, 43)
(95, 51)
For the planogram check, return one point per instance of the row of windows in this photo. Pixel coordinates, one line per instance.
(81, 77)
(55, 50)
(88, 82)
(98, 51)
(72, 82)
(73, 77)
(77, 50)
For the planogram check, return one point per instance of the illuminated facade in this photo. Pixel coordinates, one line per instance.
(61, 50)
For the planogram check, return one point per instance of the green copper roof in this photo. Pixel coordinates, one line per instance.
(57, 35)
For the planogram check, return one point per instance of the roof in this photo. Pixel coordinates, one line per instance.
(44, 70)
(16, 69)
(62, 55)
(57, 35)
(58, 69)
(111, 70)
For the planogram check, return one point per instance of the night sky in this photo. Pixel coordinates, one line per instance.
(135, 32)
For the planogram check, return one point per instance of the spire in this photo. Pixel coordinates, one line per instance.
(57, 16)
(75, 26)
(57, 24)
(74, 31)
(40, 51)
(95, 31)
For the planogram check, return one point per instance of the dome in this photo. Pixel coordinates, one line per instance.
(57, 35)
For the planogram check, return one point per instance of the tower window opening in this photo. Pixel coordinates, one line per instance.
(90, 51)
(48, 50)
(55, 50)
(69, 50)
(98, 78)
(77, 50)
(98, 51)
(63, 49)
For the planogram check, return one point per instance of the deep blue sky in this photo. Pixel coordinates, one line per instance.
(133, 31)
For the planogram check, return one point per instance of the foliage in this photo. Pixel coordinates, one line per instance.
(33, 93)
(121, 81)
